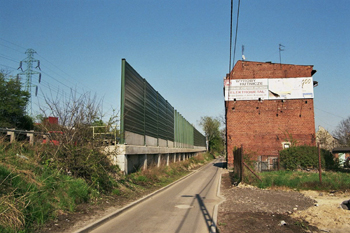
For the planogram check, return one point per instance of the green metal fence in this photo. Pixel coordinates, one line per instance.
(145, 112)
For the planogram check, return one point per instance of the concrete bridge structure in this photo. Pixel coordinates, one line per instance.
(134, 155)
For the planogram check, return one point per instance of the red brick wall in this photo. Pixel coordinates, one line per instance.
(261, 127)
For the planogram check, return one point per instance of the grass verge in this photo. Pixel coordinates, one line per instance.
(35, 190)
(300, 180)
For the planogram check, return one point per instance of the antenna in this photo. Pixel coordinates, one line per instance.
(243, 57)
(281, 48)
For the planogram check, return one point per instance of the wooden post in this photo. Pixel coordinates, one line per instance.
(242, 167)
(319, 162)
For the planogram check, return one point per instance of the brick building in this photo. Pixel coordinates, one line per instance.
(269, 107)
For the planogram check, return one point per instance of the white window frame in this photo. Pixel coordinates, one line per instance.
(286, 145)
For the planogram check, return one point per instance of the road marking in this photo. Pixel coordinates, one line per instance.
(184, 206)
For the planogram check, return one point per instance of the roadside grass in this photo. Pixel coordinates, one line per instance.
(31, 194)
(34, 189)
(300, 180)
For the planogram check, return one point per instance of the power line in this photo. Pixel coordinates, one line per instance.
(330, 113)
(80, 84)
(234, 50)
(8, 66)
(59, 92)
(12, 43)
(11, 48)
(8, 58)
(57, 80)
(229, 71)
(39, 56)
(63, 72)
(326, 123)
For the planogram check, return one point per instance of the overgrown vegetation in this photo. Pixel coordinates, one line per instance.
(300, 180)
(31, 191)
(300, 171)
(306, 157)
(77, 153)
(36, 187)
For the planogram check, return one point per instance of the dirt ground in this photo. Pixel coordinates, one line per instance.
(249, 209)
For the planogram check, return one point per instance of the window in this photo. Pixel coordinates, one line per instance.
(285, 145)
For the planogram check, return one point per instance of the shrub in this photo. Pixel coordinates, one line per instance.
(31, 193)
(83, 162)
(304, 157)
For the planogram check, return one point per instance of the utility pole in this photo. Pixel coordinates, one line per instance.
(28, 73)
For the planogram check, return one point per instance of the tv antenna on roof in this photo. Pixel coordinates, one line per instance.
(281, 48)
(243, 57)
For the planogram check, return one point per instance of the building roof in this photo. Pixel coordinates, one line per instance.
(268, 62)
(258, 70)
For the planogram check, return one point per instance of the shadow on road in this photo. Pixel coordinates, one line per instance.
(220, 164)
(208, 219)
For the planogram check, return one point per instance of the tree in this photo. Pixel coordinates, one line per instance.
(342, 132)
(76, 114)
(13, 102)
(325, 139)
(77, 153)
(211, 128)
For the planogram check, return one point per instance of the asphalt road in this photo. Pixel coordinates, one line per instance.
(187, 206)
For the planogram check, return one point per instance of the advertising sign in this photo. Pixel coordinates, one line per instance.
(246, 89)
(268, 89)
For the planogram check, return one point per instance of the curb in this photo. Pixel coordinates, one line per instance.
(216, 207)
(103, 220)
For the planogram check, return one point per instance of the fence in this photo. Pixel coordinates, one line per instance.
(239, 165)
(148, 119)
(267, 163)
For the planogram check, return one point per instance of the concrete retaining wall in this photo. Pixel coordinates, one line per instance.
(131, 158)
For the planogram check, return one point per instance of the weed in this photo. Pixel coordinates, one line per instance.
(301, 180)
(11, 215)
(31, 193)
(302, 225)
(116, 192)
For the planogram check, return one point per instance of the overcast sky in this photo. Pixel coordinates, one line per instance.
(181, 47)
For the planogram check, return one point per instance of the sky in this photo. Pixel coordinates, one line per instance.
(181, 47)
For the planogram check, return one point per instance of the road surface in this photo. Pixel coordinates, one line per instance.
(187, 206)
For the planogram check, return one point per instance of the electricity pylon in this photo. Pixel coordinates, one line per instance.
(28, 73)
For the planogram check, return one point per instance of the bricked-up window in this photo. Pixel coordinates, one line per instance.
(285, 145)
